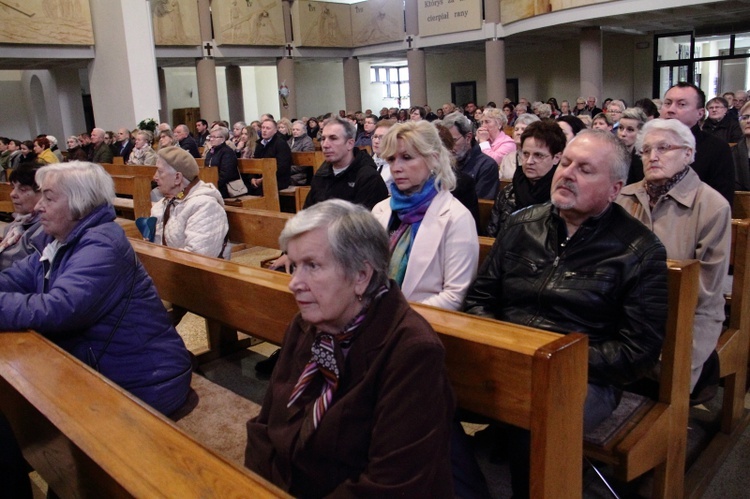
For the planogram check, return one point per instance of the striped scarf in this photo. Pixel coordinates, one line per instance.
(327, 359)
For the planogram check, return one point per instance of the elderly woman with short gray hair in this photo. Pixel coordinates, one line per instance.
(87, 291)
(142, 153)
(693, 221)
(357, 368)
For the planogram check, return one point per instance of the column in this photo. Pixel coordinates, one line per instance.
(122, 77)
(494, 51)
(352, 91)
(491, 11)
(235, 97)
(417, 77)
(205, 69)
(164, 111)
(285, 75)
(591, 63)
(412, 18)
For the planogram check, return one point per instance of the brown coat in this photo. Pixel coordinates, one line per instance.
(386, 433)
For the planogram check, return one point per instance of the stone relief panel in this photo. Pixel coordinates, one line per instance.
(60, 22)
(321, 24)
(377, 21)
(515, 10)
(248, 22)
(176, 22)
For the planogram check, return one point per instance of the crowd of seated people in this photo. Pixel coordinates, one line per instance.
(615, 188)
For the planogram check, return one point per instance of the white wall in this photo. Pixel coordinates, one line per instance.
(320, 87)
(180, 83)
(452, 67)
(265, 96)
(14, 120)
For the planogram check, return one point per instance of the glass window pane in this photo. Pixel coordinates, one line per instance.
(403, 74)
(382, 74)
(404, 89)
(742, 43)
(394, 89)
(393, 74)
(672, 48)
(712, 46)
(373, 75)
(707, 77)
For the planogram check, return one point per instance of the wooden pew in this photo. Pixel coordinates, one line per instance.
(741, 204)
(293, 197)
(529, 378)
(139, 189)
(265, 167)
(733, 360)
(6, 205)
(88, 437)
(485, 212)
(208, 175)
(655, 436)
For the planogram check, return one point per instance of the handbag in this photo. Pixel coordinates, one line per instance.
(237, 187)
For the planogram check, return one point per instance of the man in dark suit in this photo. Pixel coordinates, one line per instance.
(124, 145)
(713, 159)
(201, 132)
(273, 146)
(188, 143)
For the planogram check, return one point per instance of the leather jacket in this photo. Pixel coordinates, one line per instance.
(609, 281)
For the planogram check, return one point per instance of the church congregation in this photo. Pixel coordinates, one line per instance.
(430, 268)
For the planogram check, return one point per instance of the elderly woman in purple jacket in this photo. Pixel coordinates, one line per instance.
(84, 288)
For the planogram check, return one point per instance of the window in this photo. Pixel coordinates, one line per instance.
(395, 80)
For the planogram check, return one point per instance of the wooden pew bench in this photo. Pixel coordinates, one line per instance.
(292, 198)
(518, 375)
(138, 188)
(6, 205)
(208, 175)
(266, 168)
(87, 437)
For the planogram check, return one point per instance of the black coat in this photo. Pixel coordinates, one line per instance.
(224, 158)
(190, 145)
(279, 149)
(360, 183)
(713, 163)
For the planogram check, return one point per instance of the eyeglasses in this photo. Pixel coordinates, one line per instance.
(660, 149)
(745, 117)
(537, 156)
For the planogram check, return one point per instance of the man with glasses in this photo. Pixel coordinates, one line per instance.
(469, 157)
(713, 160)
(719, 123)
(740, 97)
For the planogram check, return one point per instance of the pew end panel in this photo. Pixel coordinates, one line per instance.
(87, 437)
(655, 437)
(6, 205)
(139, 188)
(266, 168)
(256, 227)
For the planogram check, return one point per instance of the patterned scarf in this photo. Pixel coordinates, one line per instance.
(328, 359)
(15, 231)
(657, 191)
(410, 209)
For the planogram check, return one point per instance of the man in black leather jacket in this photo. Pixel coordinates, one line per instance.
(581, 263)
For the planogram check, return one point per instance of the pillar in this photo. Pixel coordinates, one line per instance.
(285, 75)
(491, 11)
(205, 68)
(235, 97)
(494, 51)
(122, 77)
(411, 15)
(417, 77)
(352, 91)
(591, 63)
(164, 111)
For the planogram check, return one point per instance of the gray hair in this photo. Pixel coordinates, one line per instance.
(182, 128)
(350, 131)
(300, 123)
(544, 110)
(526, 119)
(148, 136)
(617, 103)
(678, 129)
(224, 131)
(421, 138)
(458, 120)
(75, 139)
(635, 113)
(86, 185)
(354, 235)
(620, 158)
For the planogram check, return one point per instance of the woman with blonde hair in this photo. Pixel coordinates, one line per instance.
(433, 238)
(490, 136)
(249, 137)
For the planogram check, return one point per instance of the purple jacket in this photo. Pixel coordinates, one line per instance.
(98, 303)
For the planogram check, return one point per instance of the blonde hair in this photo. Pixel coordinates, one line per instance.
(422, 139)
(497, 115)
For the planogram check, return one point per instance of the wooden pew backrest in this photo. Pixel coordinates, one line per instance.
(88, 437)
(137, 186)
(265, 167)
(526, 377)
